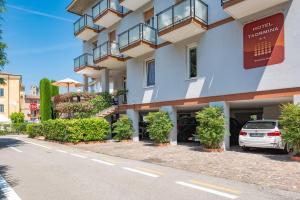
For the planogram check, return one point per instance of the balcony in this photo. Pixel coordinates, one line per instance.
(84, 65)
(242, 8)
(108, 55)
(79, 7)
(108, 12)
(85, 29)
(133, 4)
(137, 41)
(183, 20)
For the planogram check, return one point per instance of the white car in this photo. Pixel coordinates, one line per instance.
(262, 134)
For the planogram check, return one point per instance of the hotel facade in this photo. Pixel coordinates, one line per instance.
(182, 55)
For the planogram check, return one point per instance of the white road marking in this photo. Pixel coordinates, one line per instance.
(17, 150)
(61, 151)
(8, 192)
(141, 172)
(37, 144)
(222, 194)
(77, 155)
(103, 162)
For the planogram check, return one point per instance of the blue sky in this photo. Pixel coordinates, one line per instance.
(39, 35)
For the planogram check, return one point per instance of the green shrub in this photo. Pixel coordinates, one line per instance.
(123, 128)
(160, 125)
(17, 117)
(34, 130)
(76, 130)
(290, 121)
(101, 102)
(211, 128)
(19, 128)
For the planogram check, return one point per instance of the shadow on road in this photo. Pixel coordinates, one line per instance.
(8, 142)
(8, 178)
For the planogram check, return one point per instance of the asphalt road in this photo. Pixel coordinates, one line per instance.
(38, 170)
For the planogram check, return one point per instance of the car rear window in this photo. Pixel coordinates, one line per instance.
(260, 125)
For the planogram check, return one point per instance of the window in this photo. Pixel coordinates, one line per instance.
(149, 17)
(1, 92)
(150, 73)
(192, 62)
(1, 108)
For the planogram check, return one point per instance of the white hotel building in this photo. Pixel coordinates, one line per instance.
(181, 55)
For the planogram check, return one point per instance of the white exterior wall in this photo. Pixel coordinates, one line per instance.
(220, 58)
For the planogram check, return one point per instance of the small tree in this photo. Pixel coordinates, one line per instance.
(123, 128)
(17, 117)
(101, 102)
(160, 125)
(211, 128)
(290, 120)
(45, 99)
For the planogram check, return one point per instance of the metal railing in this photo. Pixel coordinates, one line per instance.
(83, 61)
(140, 32)
(182, 11)
(104, 5)
(107, 49)
(83, 22)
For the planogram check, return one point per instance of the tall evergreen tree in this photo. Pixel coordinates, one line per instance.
(3, 56)
(45, 99)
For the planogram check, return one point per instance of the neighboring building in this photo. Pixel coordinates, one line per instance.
(31, 107)
(11, 94)
(181, 55)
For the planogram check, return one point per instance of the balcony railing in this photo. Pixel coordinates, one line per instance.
(180, 12)
(84, 22)
(107, 49)
(85, 60)
(140, 32)
(104, 5)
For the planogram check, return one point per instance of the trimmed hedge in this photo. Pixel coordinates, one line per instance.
(34, 130)
(123, 128)
(19, 128)
(76, 130)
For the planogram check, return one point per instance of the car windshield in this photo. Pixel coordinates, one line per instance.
(260, 125)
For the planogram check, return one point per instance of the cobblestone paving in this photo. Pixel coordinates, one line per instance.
(262, 167)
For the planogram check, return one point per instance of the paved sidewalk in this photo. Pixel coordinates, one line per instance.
(262, 167)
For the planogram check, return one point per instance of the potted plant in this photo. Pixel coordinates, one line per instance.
(160, 125)
(290, 121)
(211, 128)
(123, 129)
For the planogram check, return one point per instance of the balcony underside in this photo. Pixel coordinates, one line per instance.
(242, 8)
(108, 18)
(111, 62)
(89, 71)
(133, 4)
(86, 34)
(183, 30)
(138, 49)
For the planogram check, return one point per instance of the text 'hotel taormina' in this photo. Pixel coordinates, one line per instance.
(181, 55)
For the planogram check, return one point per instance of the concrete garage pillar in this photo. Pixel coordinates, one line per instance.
(173, 115)
(296, 99)
(134, 116)
(104, 77)
(85, 83)
(226, 108)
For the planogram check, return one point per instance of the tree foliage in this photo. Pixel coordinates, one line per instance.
(123, 128)
(160, 125)
(17, 117)
(3, 46)
(290, 120)
(54, 89)
(45, 99)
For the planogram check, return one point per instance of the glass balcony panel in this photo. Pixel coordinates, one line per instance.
(165, 19)
(182, 11)
(149, 34)
(134, 34)
(96, 53)
(104, 50)
(83, 60)
(114, 49)
(123, 39)
(201, 11)
(90, 61)
(115, 5)
(96, 11)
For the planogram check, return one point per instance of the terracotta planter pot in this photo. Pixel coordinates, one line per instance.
(296, 158)
(213, 150)
(162, 144)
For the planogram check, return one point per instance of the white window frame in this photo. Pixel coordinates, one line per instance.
(145, 72)
(188, 66)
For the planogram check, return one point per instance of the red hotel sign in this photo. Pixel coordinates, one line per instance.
(264, 42)
(33, 106)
